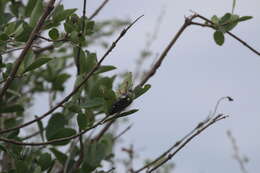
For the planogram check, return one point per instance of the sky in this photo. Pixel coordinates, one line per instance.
(195, 74)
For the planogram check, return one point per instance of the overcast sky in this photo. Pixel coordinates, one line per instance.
(194, 75)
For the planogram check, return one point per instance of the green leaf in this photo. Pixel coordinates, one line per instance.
(68, 27)
(233, 22)
(37, 63)
(73, 107)
(29, 7)
(63, 14)
(22, 32)
(105, 68)
(61, 157)
(21, 166)
(54, 34)
(138, 91)
(45, 161)
(62, 133)
(219, 37)
(11, 108)
(225, 19)
(82, 121)
(93, 103)
(244, 18)
(40, 126)
(4, 37)
(89, 27)
(36, 13)
(56, 122)
(59, 81)
(215, 19)
(128, 112)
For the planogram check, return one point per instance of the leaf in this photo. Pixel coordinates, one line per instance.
(45, 161)
(21, 166)
(22, 32)
(36, 13)
(54, 34)
(225, 19)
(4, 37)
(244, 18)
(11, 108)
(62, 133)
(219, 37)
(29, 7)
(233, 22)
(128, 112)
(93, 103)
(40, 126)
(61, 157)
(59, 81)
(127, 83)
(215, 19)
(37, 63)
(138, 91)
(56, 122)
(73, 107)
(121, 115)
(63, 14)
(82, 121)
(105, 68)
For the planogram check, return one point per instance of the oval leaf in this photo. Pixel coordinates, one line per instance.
(36, 64)
(219, 37)
(82, 121)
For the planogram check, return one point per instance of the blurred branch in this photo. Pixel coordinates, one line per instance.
(27, 47)
(236, 152)
(123, 132)
(98, 9)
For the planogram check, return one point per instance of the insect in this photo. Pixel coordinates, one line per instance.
(123, 101)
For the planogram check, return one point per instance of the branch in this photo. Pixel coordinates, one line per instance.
(170, 156)
(236, 152)
(113, 45)
(27, 47)
(166, 156)
(229, 33)
(193, 133)
(98, 9)
(153, 70)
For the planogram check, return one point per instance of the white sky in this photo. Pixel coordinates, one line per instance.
(194, 75)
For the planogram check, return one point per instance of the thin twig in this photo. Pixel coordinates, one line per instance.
(229, 33)
(200, 127)
(40, 50)
(98, 9)
(113, 45)
(77, 58)
(123, 132)
(236, 152)
(28, 46)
